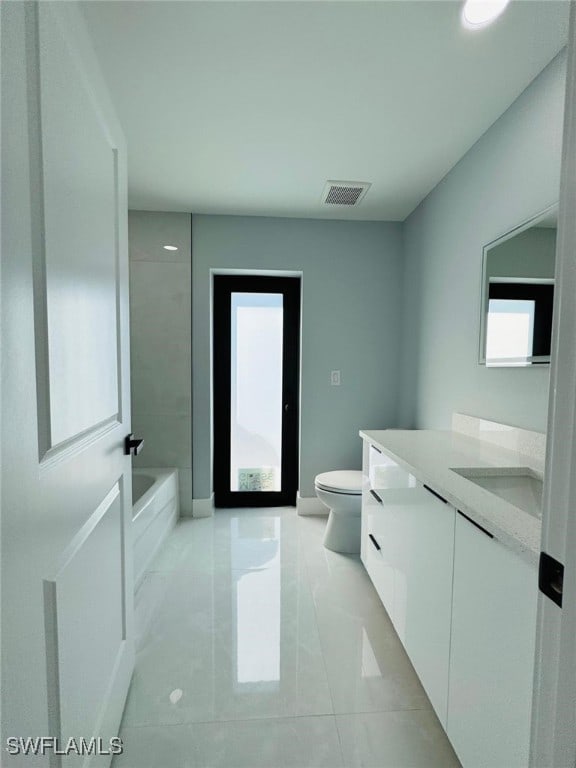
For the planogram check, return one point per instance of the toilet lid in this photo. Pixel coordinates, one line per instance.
(341, 481)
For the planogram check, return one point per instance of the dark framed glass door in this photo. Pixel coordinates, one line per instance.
(256, 352)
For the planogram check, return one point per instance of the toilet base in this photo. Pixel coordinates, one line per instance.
(343, 533)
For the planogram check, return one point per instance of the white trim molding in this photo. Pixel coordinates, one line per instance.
(553, 734)
(201, 508)
(310, 505)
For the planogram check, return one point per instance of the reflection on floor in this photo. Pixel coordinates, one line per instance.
(258, 647)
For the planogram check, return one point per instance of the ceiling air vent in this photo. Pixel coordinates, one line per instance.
(344, 192)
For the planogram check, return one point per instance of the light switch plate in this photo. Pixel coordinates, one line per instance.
(335, 378)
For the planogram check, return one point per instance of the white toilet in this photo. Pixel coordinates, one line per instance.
(341, 492)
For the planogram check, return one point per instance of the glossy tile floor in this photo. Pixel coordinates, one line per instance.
(258, 647)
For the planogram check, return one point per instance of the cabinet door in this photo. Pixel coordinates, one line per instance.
(424, 529)
(492, 651)
(407, 548)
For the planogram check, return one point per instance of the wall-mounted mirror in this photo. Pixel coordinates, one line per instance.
(518, 293)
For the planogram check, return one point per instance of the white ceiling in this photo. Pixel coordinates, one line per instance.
(250, 107)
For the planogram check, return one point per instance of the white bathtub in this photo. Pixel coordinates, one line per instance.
(155, 509)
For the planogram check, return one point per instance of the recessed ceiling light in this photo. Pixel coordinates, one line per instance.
(170, 248)
(480, 13)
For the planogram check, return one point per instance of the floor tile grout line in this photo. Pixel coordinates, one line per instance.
(302, 550)
(239, 721)
(359, 713)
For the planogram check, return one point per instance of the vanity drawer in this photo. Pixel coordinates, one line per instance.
(373, 554)
(384, 472)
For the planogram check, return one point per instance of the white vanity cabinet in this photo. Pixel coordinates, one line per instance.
(463, 605)
(492, 651)
(407, 549)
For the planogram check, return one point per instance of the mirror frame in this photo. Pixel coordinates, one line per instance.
(484, 293)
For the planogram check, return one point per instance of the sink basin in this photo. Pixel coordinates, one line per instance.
(520, 486)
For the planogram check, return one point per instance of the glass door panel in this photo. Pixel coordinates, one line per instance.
(256, 392)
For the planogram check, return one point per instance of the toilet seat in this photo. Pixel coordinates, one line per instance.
(345, 481)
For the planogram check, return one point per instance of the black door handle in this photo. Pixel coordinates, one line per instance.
(132, 445)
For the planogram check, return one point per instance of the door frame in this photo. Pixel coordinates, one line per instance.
(223, 284)
(553, 736)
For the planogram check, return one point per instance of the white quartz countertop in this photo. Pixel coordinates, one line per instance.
(429, 455)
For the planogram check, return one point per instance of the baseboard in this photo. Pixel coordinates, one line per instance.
(202, 507)
(310, 505)
(304, 505)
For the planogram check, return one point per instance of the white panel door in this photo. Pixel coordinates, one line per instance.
(67, 649)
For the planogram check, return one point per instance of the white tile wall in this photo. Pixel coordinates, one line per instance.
(160, 331)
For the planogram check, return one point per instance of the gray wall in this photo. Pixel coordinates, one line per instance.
(511, 174)
(406, 359)
(350, 322)
(160, 334)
